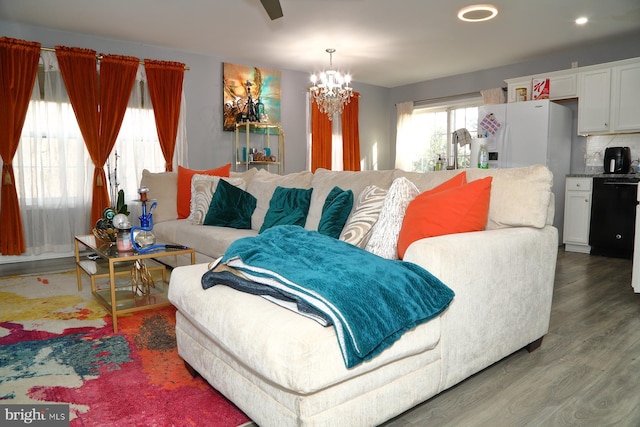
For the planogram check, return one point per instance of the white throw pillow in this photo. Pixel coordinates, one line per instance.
(357, 230)
(202, 189)
(163, 188)
(385, 232)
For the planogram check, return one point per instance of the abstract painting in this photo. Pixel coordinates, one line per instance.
(250, 94)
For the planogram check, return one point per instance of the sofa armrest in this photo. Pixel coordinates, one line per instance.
(503, 280)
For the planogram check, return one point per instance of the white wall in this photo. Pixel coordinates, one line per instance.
(208, 144)
(593, 53)
(596, 145)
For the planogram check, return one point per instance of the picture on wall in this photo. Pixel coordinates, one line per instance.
(250, 94)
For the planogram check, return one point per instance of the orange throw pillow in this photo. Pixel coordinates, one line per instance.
(184, 185)
(455, 182)
(457, 210)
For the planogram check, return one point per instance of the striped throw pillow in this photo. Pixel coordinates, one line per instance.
(368, 206)
(202, 189)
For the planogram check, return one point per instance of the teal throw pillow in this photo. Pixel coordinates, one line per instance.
(288, 206)
(335, 211)
(230, 207)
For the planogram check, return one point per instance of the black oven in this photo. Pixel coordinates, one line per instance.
(613, 215)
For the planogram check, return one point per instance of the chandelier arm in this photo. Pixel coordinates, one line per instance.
(330, 89)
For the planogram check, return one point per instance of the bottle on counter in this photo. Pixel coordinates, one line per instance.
(483, 157)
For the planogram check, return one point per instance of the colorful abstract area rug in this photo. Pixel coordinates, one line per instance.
(57, 346)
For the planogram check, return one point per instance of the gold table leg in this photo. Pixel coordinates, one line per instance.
(78, 272)
(114, 303)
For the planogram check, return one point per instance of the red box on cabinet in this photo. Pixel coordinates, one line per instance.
(540, 89)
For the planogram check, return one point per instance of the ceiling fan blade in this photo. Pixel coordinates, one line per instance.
(273, 8)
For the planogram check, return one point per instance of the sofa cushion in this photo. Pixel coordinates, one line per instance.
(245, 175)
(384, 234)
(335, 212)
(447, 209)
(324, 180)
(428, 180)
(520, 197)
(202, 189)
(288, 206)
(210, 240)
(230, 207)
(163, 188)
(262, 186)
(288, 350)
(184, 185)
(357, 230)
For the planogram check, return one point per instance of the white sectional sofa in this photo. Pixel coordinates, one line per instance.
(283, 369)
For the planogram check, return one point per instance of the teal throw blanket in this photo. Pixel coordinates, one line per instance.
(371, 301)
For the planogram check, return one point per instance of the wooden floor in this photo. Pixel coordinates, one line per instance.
(587, 372)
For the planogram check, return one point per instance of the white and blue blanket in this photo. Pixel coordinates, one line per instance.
(370, 301)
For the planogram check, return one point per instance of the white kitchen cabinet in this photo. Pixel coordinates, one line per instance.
(577, 214)
(562, 85)
(513, 84)
(625, 102)
(609, 98)
(594, 101)
(608, 94)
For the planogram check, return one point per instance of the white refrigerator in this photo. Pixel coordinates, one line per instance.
(532, 132)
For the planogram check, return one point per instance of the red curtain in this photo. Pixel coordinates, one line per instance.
(165, 89)
(351, 135)
(99, 107)
(18, 70)
(320, 138)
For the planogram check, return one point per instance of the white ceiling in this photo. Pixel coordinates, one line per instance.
(381, 42)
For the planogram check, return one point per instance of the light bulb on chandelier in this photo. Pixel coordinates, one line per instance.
(331, 90)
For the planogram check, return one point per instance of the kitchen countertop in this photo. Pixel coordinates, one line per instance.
(603, 175)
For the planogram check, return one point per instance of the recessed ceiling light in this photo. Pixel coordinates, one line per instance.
(582, 20)
(477, 12)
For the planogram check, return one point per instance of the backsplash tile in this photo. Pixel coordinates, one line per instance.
(594, 156)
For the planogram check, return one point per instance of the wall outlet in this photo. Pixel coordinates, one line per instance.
(574, 64)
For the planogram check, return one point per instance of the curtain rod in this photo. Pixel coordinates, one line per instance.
(445, 98)
(452, 97)
(98, 56)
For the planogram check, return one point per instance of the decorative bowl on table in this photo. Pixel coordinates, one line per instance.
(107, 235)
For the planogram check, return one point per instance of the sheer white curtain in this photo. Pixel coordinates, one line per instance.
(181, 154)
(337, 163)
(308, 131)
(137, 144)
(406, 146)
(51, 164)
(54, 171)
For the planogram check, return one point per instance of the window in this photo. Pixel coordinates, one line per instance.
(50, 161)
(53, 169)
(431, 128)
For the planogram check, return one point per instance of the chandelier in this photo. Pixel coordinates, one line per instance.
(331, 89)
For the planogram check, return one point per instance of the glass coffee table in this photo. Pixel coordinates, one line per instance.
(120, 295)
